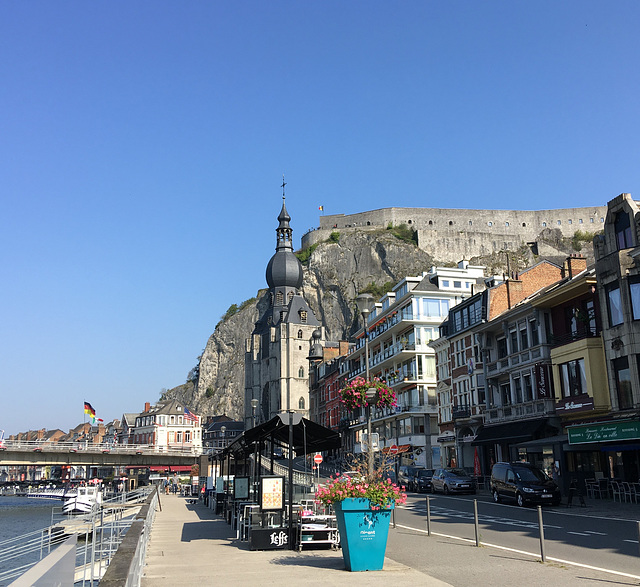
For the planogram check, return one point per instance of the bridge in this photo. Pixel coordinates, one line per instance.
(22, 452)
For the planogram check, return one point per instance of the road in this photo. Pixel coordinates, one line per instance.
(603, 542)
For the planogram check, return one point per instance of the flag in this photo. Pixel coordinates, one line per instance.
(88, 409)
(189, 416)
(321, 208)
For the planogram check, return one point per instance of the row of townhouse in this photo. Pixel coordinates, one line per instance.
(544, 365)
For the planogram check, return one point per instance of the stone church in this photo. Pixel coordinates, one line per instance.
(276, 364)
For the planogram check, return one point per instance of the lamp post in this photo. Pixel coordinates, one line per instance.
(364, 302)
(254, 405)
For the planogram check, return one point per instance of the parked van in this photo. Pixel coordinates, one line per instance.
(524, 484)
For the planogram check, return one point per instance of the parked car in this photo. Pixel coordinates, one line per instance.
(405, 476)
(523, 483)
(422, 480)
(452, 481)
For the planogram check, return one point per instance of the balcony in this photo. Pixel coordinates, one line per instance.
(569, 337)
(459, 412)
(524, 411)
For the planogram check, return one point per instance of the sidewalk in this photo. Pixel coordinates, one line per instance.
(191, 545)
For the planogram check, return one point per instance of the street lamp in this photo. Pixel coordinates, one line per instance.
(223, 429)
(363, 303)
(254, 405)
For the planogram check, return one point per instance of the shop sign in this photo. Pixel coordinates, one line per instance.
(575, 404)
(603, 432)
(543, 381)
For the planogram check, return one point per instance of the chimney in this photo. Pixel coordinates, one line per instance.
(147, 406)
(575, 264)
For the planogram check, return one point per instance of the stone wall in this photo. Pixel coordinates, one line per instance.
(459, 233)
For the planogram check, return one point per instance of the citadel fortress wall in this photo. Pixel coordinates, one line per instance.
(459, 233)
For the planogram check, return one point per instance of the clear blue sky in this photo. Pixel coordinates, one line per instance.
(142, 147)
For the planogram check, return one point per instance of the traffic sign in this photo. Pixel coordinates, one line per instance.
(393, 449)
(317, 458)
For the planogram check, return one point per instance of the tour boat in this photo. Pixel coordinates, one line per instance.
(81, 500)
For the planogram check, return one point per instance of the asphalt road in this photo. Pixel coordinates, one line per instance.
(605, 542)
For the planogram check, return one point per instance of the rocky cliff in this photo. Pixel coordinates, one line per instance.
(334, 273)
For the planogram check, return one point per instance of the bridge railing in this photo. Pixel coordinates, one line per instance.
(87, 447)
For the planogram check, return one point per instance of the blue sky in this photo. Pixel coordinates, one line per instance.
(142, 147)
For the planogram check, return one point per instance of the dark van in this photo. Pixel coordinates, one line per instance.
(524, 484)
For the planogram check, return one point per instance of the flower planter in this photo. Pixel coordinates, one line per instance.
(363, 533)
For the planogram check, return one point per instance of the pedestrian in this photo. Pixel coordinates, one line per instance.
(555, 473)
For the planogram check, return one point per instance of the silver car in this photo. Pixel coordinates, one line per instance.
(452, 481)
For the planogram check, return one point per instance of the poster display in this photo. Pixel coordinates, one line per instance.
(241, 488)
(272, 493)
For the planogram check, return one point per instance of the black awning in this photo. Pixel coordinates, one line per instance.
(510, 432)
(308, 437)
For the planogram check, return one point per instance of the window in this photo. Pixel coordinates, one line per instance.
(634, 294)
(490, 223)
(279, 298)
(514, 341)
(506, 224)
(614, 305)
(517, 388)
(299, 333)
(622, 375)
(528, 389)
(303, 316)
(544, 225)
(524, 339)
(572, 378)
(570, 221)
(622, 226)
(505, 394)
(445, 283)
(301, 404)
(535, 339)
(301, 372)
(457, 284)
(502, 348)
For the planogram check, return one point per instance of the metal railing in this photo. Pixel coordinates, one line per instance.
(103, 530)
(88, 447)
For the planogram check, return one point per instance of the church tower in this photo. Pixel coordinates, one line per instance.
(276, 364)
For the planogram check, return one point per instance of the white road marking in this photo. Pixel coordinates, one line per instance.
(578, 533)
(533, 554)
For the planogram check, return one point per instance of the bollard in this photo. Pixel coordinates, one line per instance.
(475, 521)
(541, 526)
(639, 536)
(428, 516)
(393, 517)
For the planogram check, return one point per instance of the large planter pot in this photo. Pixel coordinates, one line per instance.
(363, 533)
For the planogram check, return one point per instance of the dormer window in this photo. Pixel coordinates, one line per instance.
(303, 316)
(622, 226)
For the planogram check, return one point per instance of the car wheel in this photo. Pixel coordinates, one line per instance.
(446, 489)
(520, 500)
(496, 496)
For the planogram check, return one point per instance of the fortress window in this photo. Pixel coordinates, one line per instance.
(544, 225)
(368, 223)
(490, 223)
(506, 224)
(580, 221)
(450, 222)
(601, 219)
(470, 222)
(591, 220)
(559, 222)
(409, 221)
(430, 222)
(570, 221)
(524, 224)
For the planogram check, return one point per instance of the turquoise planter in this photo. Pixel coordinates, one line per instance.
(363, 534)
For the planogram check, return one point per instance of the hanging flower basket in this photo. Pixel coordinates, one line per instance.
(354, 395)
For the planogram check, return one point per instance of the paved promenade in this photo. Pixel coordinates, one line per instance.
(190, 545)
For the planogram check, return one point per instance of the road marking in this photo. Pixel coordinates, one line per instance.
(597, 533)
(632, 541)
(524, 552)
(578, 533)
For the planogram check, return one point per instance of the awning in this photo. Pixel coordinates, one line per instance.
(510, 432)
(538, 444)
(308, 437)
(401, 448)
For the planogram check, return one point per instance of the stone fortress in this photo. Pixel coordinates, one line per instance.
(464, 234)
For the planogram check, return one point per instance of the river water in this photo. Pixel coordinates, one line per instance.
(21, 515)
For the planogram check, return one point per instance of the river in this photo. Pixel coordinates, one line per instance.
(21, 515)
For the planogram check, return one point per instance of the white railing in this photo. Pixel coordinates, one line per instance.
(104, 448)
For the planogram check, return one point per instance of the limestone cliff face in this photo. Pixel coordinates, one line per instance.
(335, 274)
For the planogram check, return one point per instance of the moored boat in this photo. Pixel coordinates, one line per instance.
(81, 500)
